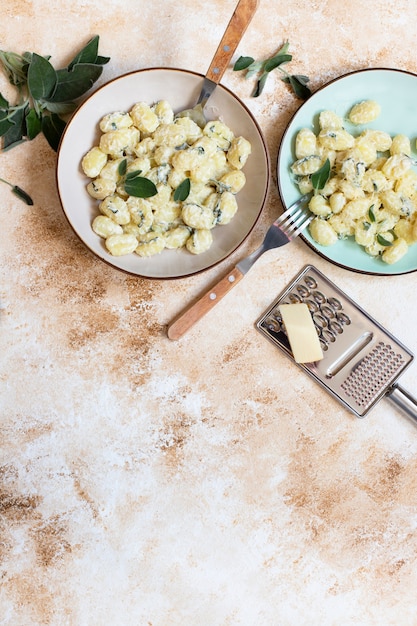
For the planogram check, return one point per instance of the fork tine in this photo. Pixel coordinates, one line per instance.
(293, 208)
(295, 219)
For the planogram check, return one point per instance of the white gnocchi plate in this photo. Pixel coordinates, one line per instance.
(181, 89)
(396, 92)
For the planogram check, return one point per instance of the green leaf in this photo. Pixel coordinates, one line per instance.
(52, 128)
(260, 85)
(303, 80)
(21, 193)
(182, 191)
(122, 167)
(383, 242)
(254, 69)
(100, 60)
(284, 48)
(320, 178)
(299, 88)
(5, 122)
(73, 83)
(15, 134)
(33, 124)
(61, 108)
(89, 54)
(3, 102)
(140, 187)
(41, 78)
(242, 63)
(14, 66)
(132, 175)
(275, 61)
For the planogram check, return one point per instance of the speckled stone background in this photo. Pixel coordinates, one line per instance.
(205, 482)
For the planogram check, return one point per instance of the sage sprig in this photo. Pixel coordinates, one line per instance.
(19, 192)
(262, 69)
(45, 95)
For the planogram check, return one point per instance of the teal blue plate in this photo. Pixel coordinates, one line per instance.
(396, 92)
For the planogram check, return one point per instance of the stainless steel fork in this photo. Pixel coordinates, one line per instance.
(290, 224)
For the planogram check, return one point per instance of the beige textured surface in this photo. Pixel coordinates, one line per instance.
(207, 482)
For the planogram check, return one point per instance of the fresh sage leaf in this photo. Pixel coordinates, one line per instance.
(140, 187)
(33, 124)
(18, 191)
(41, 77)
(53, 127)
(299, 88)
(89, 54)
(371, 213)
(320, 178)
(182, 191)
(45, 95)
(242, 63)
(122, 167)
(276, 61)
(15, 134)
(383, 242)
(298, 82)
(260, 85)
(5, 122)
(71, 84)
(15, 67)
(303, 80)
(21, 193)
(61, 108)
(132, 175)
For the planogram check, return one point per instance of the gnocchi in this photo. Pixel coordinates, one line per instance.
(371, 192)
(194, 173)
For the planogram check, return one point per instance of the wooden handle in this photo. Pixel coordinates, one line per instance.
(239, 22)
(196, 311)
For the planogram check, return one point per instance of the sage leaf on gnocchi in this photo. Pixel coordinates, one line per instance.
(139, 186)
(383, 241)
(182, 191)
(320, 178)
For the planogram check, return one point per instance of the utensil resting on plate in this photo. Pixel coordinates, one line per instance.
(362, 361)
(290, 224)
(243, 13)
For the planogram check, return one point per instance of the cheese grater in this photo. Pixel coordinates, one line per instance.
(362, 361)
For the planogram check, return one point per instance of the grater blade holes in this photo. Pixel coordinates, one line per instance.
(372, 374)
(319, 297)
(311, 282)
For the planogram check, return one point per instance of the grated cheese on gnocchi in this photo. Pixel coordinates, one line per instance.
(371, 194)
(169, 151)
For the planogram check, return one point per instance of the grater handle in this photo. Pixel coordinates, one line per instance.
(403, 400)
(204, 304)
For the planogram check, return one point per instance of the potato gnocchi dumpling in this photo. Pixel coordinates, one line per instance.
(150, 142)
(371, 193)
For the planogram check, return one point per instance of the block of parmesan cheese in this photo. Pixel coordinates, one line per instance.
(301, 333)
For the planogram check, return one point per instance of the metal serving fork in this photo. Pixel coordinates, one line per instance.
(290, 224)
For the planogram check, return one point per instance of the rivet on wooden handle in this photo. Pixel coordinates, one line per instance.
(196, 311)
(244, 12)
